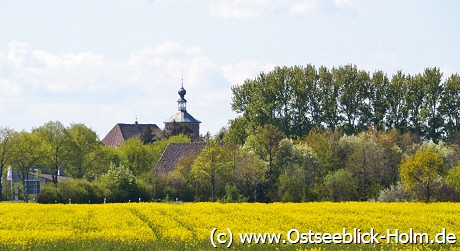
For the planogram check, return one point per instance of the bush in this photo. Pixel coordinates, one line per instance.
(394, 193)
(81, 191)
(445, 192)
(49, 194)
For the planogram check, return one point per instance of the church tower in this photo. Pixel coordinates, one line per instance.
(182, 120)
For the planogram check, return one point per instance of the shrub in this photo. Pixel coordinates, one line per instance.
(49, 194)
(394, 193)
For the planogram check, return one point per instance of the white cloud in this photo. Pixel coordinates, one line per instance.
(18, 53)
(234, 9)
(10, 88)
(85, 87)
(302, 7)
(239, 9)
(237, 73)
(343, 3)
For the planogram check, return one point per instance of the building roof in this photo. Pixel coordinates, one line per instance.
(174, 152)
(49, 177)
(182, 117)
(122, 132)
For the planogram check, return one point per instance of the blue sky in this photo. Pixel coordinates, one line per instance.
(102, 62)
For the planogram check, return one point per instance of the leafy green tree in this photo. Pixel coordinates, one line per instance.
(250, 100)
(83, 143)
(237, 131)
(298, 165)
(450, 106)
(5, 147)
(250, 172)
(346, 145)
(328, 92)
(353, 87)
(340, 186)
(366, 164)
(434, 88)
(397, 113)
(58, 144)
(415, 104)
(177, 187)
(211, 171)
(378, 99)
(120, 183)
(392, 156)
(453, 177)
(139, 158)
(268, 139)
(303, 101)
(449, 156)
(322, 146)
(422, 170)
(267, 142)
(27, 151)
(179, 183)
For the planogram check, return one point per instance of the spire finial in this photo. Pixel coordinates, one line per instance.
(182, 81)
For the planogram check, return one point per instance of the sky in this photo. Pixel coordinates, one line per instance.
(103, 62)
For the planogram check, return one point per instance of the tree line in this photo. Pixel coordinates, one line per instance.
(300, 98)
(303, 135)
(99, 171)
(324, 165)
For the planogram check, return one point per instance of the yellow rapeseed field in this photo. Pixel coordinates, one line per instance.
(201, 226)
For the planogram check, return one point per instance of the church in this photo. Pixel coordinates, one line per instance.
(181, 121)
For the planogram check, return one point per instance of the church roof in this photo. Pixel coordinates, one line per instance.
(182, 117)
(174, 152)
(122, 132)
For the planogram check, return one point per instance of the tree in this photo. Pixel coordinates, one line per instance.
(434, 88)
(415, 104)
(329, 96)
(353, 90)
(211, 170)
(378, 99)
(57, 142)
(299, 166)
(423, 171)
(322, 147)
(83, 143)
(147, 136)
(250, 172)
(28, 151)
(237, 131)
(304, 104)
(366, 164)
(450, 105)
(5, 148)
(120, 182)
(178, 129)
(268, 138)
(340, 186)
(453, 177)
(397, 113)
(139, 158)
